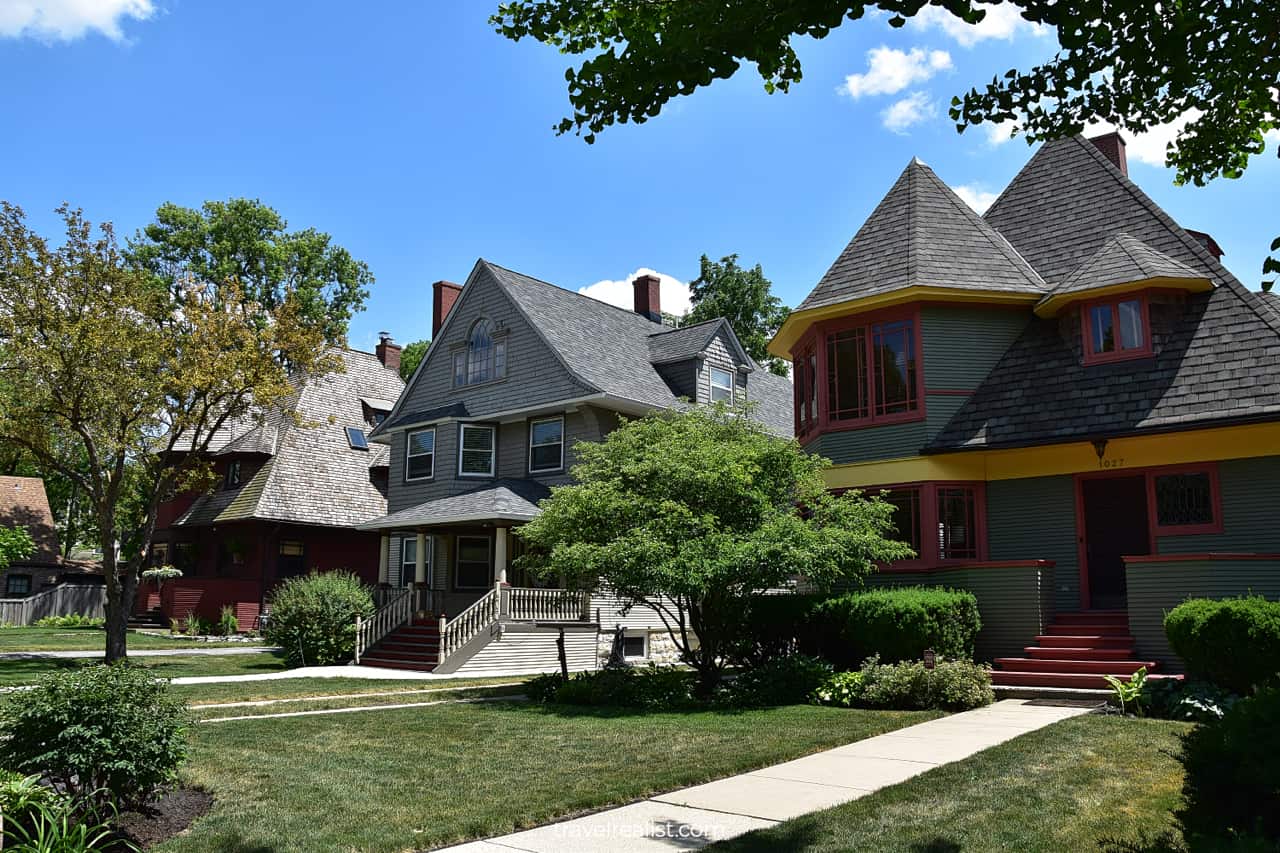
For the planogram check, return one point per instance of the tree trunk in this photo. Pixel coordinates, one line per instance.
(117, 606)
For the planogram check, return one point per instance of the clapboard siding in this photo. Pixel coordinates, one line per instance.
(521, 652)
(1250, 500)
(606, 610)
(963, 343)
(1156, 587)
(892, 441)
(1034, 519)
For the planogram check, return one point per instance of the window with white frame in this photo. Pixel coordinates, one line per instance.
(474, 569)
(721, 385)
(420, 455)
(476, 450)
(484, 359)
(635, 646)
(546, 444)
(409, 559)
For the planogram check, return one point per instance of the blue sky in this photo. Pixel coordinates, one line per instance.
(421, 140)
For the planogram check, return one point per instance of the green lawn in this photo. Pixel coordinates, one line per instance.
(421, 777)
(369, 700)
(90, 639)
(293, 688)
(16, 672)
(1066, 787)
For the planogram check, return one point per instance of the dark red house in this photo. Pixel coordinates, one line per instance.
(290, 492)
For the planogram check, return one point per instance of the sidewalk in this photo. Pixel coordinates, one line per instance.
(372, 673)
(692, 818)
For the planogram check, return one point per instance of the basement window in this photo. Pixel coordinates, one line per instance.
(635, 646)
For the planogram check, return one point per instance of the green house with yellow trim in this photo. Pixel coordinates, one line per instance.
(1071, 402)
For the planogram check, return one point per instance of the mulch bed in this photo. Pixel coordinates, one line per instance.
(170, 815)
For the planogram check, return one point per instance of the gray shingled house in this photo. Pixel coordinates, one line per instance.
(289, 495)
(518, 372)
(1072, 403)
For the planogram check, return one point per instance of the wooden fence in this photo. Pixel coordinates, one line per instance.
(62, 600)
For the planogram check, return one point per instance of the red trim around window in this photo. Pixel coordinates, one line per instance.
(812, 354)
(1215, 498)
(929, 556)
(1118, 354)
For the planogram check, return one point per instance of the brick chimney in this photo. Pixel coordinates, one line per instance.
(1112, 147)
(647, 304)
(445, 294)
(388, 351)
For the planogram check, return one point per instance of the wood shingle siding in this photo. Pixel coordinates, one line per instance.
(1157, 586)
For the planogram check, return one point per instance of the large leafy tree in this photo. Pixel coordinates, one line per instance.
(693, 514)
(743, 297)
(411, 356)
(119, 384)
(15, 544)
(246, 241)
(1135, 65)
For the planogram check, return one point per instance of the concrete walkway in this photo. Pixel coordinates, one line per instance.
(141, 653)
(692, 818)
(371, 673)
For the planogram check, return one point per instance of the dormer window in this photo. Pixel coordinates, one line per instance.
(232, 477)
(1116, 329)
(483, 360)
(721, 386)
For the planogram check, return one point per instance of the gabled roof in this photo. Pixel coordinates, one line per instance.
(686, 342)
(312, 475)
(1122, 261)
(506, 499)
(923, 235)
(24, 504)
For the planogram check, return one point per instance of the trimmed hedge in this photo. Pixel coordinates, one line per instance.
(897, 624)
(1233, 642)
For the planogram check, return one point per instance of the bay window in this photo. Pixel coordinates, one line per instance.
(942, 522)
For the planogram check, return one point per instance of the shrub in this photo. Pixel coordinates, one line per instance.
(20, 797)
(897, 625)
(783, 681)
(649, 687)
(70, 620)
(1232, 784)
(106, 733)
(542, 688)
(196, 627)
(1233, 643)
(65, 826)
(1175, 699)
(314, 617)
(909, 686)
(228, 624)
(773, 626)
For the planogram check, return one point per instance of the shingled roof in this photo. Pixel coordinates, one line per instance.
(24, 504)
(312, 475)
(1217, 360)
(506, 499)
(610, 349)
(923, 234)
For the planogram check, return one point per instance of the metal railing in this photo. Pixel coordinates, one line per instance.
(557, 605)
(396, 611)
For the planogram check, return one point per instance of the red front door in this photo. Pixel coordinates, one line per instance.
(1115, 526)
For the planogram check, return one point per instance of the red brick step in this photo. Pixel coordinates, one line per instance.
(1086, 641)
(1120, 668)
(1078, 653)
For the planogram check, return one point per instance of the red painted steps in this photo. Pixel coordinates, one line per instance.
(1076, 652)
(414, 647)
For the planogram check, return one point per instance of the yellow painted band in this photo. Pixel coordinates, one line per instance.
(1054, 303)
(1136, 452)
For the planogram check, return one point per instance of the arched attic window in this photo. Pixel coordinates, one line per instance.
(484, 359)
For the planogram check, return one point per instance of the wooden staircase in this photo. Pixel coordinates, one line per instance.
(1077, 651)
(148, 620)
(413, 646)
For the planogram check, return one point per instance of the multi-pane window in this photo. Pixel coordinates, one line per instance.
(870, 373)
(409, 559)
(292, 559)
(1185, 501)
(16, 585)
(476, 451)
(1116, 329)
(420, 454)
(940, 521)
(957, 523)
(483, 360)
(473, 564)
(721, 385)
(806, 390)
(546, 444)
(894, 367)
(907, 522)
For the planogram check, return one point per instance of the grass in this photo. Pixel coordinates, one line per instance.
(26, 671)
(372, 700)
(1070, 786)
(421, 777)
(91, 639)
(294, 688)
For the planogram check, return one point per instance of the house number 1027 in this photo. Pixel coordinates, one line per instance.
(1111, 463)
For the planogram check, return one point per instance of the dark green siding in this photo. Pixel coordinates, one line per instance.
(1035, 519)
(940, 409)
(1250, 512)
(1156, 588)
(1013, 602)
(963, 342)
(859, 445)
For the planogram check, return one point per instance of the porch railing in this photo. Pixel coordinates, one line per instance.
(396, 610)
(455, 632)
(558, 605)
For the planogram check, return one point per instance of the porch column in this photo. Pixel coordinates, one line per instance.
(420, 562)
(500, 555)
(382, 559)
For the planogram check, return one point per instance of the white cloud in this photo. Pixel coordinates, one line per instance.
(1000, 133)
(67, 20)
(673, 294)
(1001, 22)
(890, 71)
(1148, 147)
(976, 197)
(911, 110)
